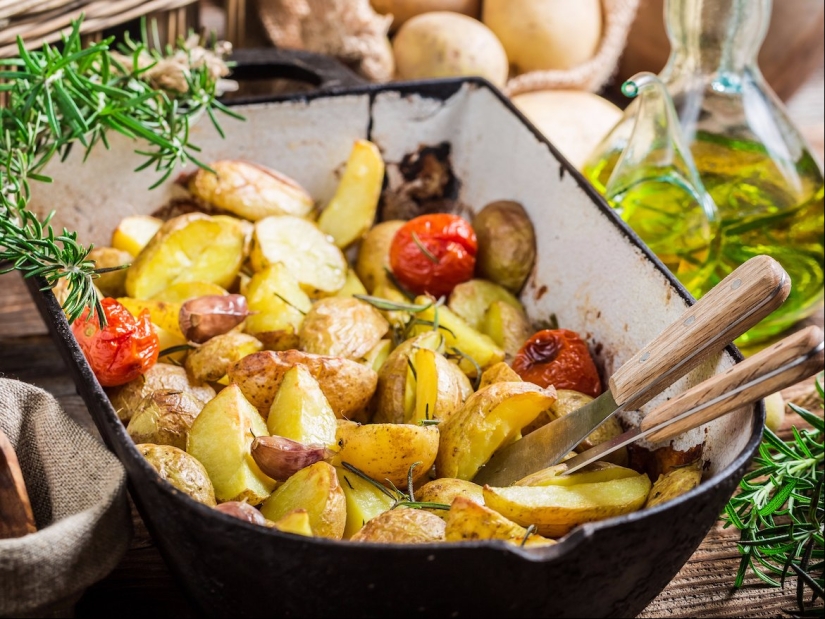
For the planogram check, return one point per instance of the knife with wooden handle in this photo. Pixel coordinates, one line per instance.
(785, 363)
(729, 309)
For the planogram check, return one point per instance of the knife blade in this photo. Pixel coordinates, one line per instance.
(751, 292)
(787, 362)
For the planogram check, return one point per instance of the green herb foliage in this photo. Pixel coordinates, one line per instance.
(780, 512)
(62, 95)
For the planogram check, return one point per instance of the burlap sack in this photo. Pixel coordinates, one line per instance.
(78, 494)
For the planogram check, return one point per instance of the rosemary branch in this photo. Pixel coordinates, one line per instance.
(62, 95)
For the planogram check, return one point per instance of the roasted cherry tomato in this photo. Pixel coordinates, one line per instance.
(432, 254)
(560, 358)
(122, 350)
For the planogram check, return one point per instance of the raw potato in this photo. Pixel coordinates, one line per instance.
(490, 418)
(127, 399)
(500, 373)
(181, 470)
(575, 121)
(250, 191)
(386, 451)
(471, 300)
(221, 438)
(506, 244)
(444, 44)
(279, 305)
(507, 326)
(210, 361)
(402, 526)
(300, 410)
(191, 247)
(402, 10)
(468, 521)
(364, 501)
(674, 484)
(391, 403)
(315, 489)
(348, 385)
(373, 255)
(440, 387)
(445, 489)
(555, 510)
(186, 291)
(352, 209)
(317, 264)
(164, 315)
(342, 327)
(596, 472)
(134, 233)
(295, 522)
(542, 35)
(164, 418)
(112, 284)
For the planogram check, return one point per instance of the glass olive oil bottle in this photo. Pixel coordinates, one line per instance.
(766, 185)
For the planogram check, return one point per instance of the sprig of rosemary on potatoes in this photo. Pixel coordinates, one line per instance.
(62, 95)
(399, 498)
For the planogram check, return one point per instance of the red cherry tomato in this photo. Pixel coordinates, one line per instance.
(122, 350)
(432, 254)
(560, 358)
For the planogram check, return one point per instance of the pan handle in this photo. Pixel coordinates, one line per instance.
(323, 72)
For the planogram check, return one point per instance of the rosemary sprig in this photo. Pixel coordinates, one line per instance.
(400, 499)
(59, 96)
(780, 512)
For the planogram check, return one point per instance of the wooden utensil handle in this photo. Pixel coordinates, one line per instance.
(16, 518)
(738, 302)
(806, 345)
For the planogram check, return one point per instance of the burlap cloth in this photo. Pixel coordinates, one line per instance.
(78, 494)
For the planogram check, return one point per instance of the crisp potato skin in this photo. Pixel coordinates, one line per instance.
(402, 526)
(342, 327)
(164, 418)
(374, 254)
(675, 483)
(181, 470)
(211, 361)
(506, 244)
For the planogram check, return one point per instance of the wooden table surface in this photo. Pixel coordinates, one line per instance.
(142, 586)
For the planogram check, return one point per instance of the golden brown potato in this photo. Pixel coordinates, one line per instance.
(663, 460)
(112, 284)
(392, 402)
(134, 233)
(347, 385)
(301, 411)
(220, 438)
(162, 314)
(191, 247)
(555, 510)
(164, 418)
(500, 373)
(376, 357)
(250, 191)
(471, 300)
(306, 252)
(316, 490)
(386, 451)
(374, 254)
(675, 483)
(445, 489)
(469, 520)
(490, 418)
(440, 387)
(507, 326)
(342, 327)
(279, 305)
(295, 522)
(352, 286)
(364, 500)
(211, 361)
(593, 473)
(506, 244)
(181, 470)
(127, 398)
(402, 526)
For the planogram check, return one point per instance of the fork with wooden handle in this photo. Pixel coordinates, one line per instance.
(787, 362)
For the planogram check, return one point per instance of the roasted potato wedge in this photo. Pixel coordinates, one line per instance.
(374, 254)
(249, 190)
(594, 473)
(181, 470)
(445, 489)
(279, 305)
(352, 286)
(364, 501)
(468, 520)
(440, 387)
(507, 326)
(500, 373)
(675, 483)
(402, 526)
(347, 385)
(555, 510)
(376, 357)
(112, 284)
(210, 361)
(191, 247)
(300, 410)
(342, 327)
(167, 340)
(220, 438)
(134, 233)
(386, 451)
(295, 522)
(127, 398)
(471, 299)
(490, 418)
(164, 418)
(164, 315)
(317, 264)
(352, 209)
(387, 291)
(506, 244)
(315, 489)
(185, 291)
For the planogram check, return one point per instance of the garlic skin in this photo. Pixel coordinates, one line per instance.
(280, 458)
(205, 317)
